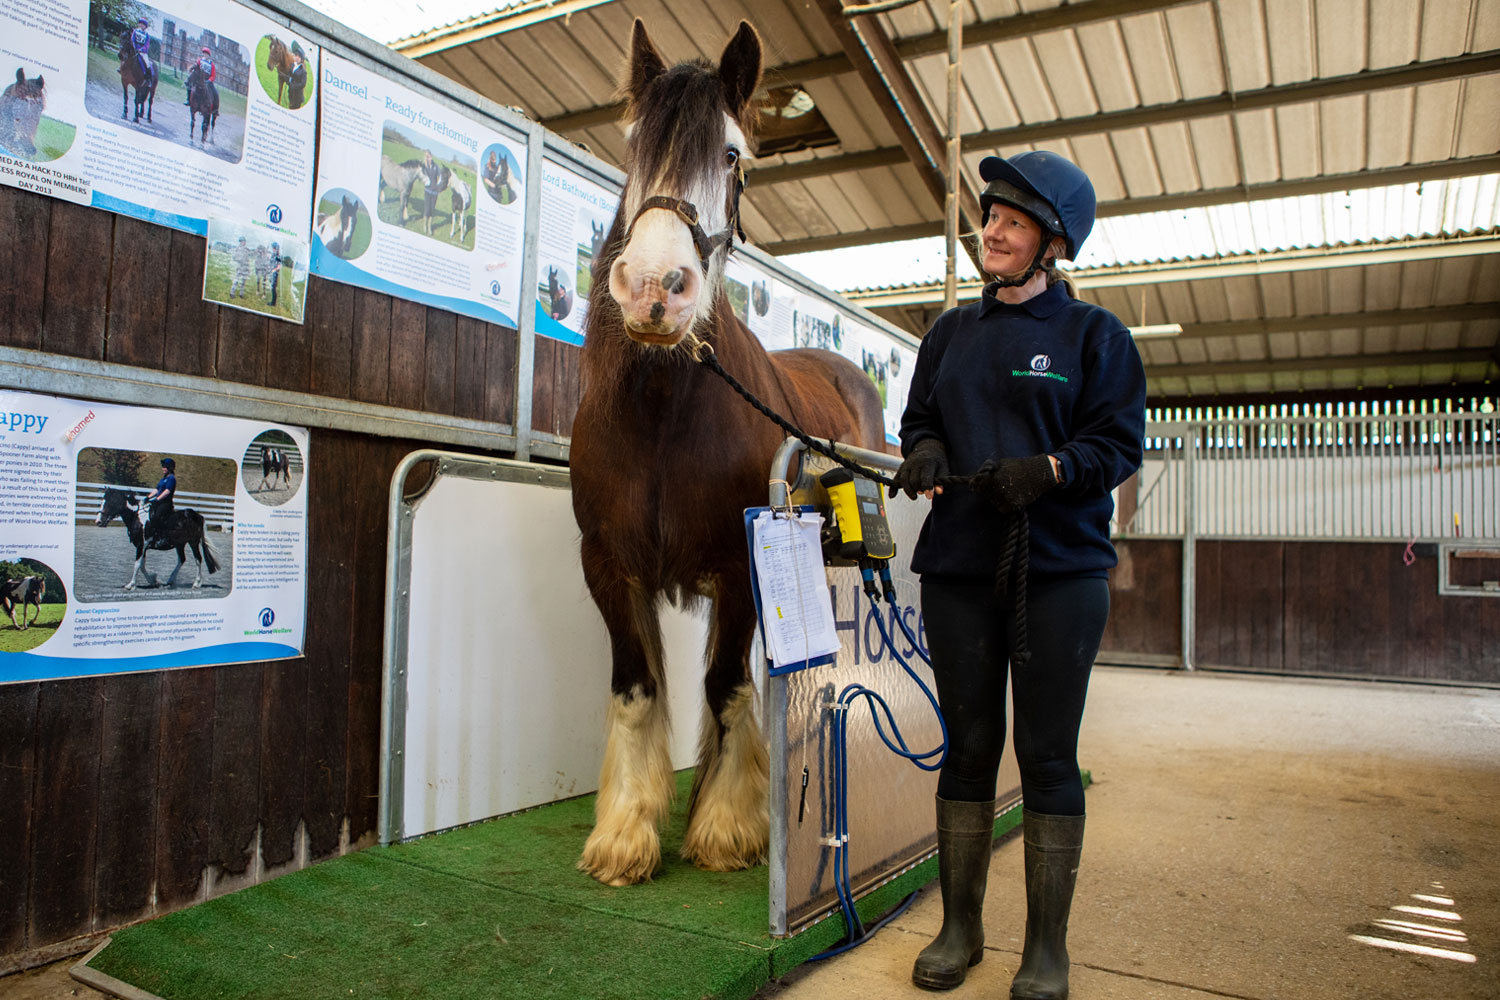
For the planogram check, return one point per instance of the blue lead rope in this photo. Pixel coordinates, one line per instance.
(928, 760)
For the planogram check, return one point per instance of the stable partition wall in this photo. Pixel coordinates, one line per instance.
(131, 795)
(1347, 546)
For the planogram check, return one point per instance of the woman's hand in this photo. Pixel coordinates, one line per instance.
(1013, 483)
(919, 473)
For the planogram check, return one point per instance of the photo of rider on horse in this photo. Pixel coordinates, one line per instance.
(136, 58)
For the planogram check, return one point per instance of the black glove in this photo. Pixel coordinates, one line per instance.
(1013, 483)
(927, 463)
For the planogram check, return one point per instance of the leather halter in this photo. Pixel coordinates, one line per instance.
(688, 213)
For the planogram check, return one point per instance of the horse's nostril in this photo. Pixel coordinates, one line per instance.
(657, 311)
(673, 282)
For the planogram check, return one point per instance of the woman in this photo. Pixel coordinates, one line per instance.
(1041, 397)
(158, 505)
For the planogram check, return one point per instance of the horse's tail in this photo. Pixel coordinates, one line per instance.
(208, 549)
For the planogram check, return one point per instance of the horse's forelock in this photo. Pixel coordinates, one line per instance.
(677, 130)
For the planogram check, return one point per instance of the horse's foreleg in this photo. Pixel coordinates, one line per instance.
(728, 818)
(635, 781)
(140, 569)
(181, 558)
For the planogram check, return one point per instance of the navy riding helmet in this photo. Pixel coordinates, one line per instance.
(1049, 188)
(170, 464)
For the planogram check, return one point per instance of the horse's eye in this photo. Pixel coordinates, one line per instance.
(731, 156)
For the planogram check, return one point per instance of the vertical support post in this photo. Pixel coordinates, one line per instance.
(1189, 539)
(955, 164)
(526, 304)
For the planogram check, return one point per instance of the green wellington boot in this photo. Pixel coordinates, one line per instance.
(965, 833)
(1053, 846)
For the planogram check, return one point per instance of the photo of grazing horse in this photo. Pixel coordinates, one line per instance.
(21, 107)
(400, 176)
(666, 457)
(26, 592)
(137, 70)
(183, 529)
(203, 99)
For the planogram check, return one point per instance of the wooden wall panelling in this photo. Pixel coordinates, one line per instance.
(1239, 605)
(73, 320)
(377, 462)
(371, 347)
(330, 320)
(139, 289)
(184, 784)
(283, 744)
(243, 338)
(129, 755)
(27, 217)
(191, 324)
(441, 355)
(17, 786)
(289, 356)
(1423, 620)
(334, 490)
(65, 809)
(1146, 598)
(570, 389)
(468, 368)
(234, 787)
(544, 384)
(500, 374)
(408, 355)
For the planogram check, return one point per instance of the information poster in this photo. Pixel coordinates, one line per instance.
(416, 200)
(225, 578)
(173, 114)
(576, 216)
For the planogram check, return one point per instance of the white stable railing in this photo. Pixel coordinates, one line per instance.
(217, 508)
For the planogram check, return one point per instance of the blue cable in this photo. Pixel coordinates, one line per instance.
(856, 932)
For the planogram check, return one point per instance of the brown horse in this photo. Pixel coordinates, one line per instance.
(665, 457)
(279, 58)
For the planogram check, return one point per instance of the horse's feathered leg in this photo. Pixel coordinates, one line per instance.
(635, 781)
(728, 819)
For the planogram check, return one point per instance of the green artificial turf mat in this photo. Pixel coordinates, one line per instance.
(498, 909)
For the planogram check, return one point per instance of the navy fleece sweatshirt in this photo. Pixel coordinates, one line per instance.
(1052, 375)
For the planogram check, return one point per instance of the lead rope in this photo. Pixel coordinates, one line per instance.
(1015, 554)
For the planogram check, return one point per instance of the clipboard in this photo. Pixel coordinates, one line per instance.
(772, 670)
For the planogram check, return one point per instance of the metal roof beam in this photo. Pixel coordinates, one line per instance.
(1159, 273)
(451, 36)
(1357, 180)
(1368, 81)
(885, 79)
(976, 34)
(1343, 321)
(1334, 362)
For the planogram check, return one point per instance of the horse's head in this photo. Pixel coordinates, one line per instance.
(688, 135)
(115, 503)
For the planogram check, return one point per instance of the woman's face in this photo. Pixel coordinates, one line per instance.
(1011, 238)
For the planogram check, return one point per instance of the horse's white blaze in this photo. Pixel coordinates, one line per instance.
(661, 249)
(730, 827)
(635, 792)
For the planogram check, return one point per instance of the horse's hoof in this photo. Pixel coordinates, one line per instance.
(128, 586)
(627, 858)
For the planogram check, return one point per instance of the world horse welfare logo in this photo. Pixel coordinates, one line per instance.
(266, 618)
(1041, 365)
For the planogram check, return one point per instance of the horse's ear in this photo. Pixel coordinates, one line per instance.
(646, 64)
(739, 68)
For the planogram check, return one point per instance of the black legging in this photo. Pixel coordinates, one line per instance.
(968, 635)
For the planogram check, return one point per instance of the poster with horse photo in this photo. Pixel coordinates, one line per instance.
(144, 542)
(252, 267)
(417, 199)
(168, 113)
(576, 216)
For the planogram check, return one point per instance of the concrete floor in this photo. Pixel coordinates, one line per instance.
(1241, 831)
